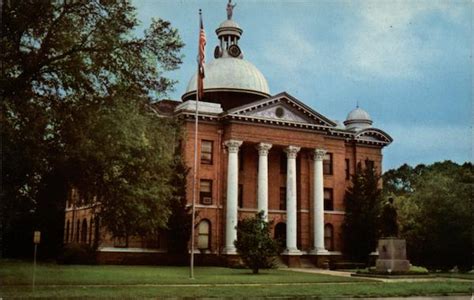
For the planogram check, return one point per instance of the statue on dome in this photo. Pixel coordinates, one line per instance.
(230, 9)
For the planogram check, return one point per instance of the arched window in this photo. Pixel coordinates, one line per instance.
(96, 231)
(280, 234)
(84, 232)
(78, 229)
(204, 235)
(66, 238)
(91, 225)
(329, 237)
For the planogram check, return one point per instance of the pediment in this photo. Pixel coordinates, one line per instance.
(373, 135)
(279, 111)
(281, 108)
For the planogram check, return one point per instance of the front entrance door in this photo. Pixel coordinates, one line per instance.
(280, 234)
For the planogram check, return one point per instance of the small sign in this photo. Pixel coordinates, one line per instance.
(37, 237)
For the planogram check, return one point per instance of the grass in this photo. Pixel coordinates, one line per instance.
(413, 271)
(152, 282)
(20, 273)
(312, 290)
(469, 276)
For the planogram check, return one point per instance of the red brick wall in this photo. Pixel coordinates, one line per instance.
(251, 135)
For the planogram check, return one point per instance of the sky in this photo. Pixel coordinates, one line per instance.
(407, 63)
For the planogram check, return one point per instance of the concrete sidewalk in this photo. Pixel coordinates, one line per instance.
(420, 298)
(348, 274)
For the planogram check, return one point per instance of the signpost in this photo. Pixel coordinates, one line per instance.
(36, 241)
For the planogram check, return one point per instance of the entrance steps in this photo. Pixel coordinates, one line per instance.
(307, 263)
(279, 262)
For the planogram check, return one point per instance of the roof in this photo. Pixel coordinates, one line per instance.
(285, 111)
(358, 114)
(358, 119)
(231, 74)
(166, 107)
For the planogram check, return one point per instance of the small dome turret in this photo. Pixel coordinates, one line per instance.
(358, 119)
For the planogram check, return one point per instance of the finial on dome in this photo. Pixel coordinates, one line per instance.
(357, 104)
(230, 9)
(358, 119)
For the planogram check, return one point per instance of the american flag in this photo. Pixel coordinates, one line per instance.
(201, 57)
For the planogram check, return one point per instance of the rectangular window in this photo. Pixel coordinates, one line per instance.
(282, 198)
(329, 237)
(348, 169)
(205, 192)
(328, 199)
(327, 164)
(241, 196)
(204, 230)
(369, 164)
(121, 242)
(206, 152)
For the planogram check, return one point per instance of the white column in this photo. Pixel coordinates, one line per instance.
(262, 181)
(318, 203)
(291, 226)
(232, 195)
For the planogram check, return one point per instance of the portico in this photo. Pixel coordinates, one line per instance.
(262, 186)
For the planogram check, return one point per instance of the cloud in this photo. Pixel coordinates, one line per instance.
(387, 42)
(288, 50)
(424, 143)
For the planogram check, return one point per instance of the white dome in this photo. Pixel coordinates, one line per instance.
(229, 23)
(358, 119)
(231, 74)
(358, 114)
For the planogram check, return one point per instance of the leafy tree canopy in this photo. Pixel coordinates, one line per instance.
(436, 213)
(179, 223)
(254, 243)
(77, 87)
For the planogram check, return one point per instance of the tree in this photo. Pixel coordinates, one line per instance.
(129, 171)
(361, 222)
(179, 223)
(77, 85)
(254, 243)
(436, 215)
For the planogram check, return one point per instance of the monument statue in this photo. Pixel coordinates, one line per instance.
(230, 9)
(389, 218)
(392, 250)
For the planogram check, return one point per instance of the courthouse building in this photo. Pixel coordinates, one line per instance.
(257, 151)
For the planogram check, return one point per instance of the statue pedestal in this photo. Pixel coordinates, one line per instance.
(392, 256)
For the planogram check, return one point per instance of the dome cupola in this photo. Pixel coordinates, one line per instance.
(229, 79)
(358, 119)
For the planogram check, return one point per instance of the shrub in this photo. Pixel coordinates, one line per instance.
(254, 243)
(77, 254)
(418, 270)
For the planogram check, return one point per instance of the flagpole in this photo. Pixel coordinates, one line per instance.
(194, 184)
(196, 115)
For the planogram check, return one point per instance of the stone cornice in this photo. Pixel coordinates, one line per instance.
(370, 136)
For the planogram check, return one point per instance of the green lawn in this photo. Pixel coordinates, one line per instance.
(20, 273)
(57, 281)
(469, 276)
